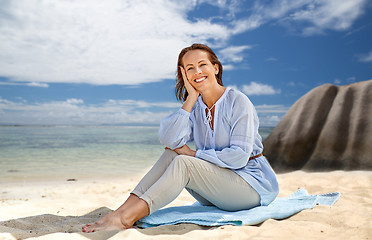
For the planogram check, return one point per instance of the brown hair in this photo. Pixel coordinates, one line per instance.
(181, 92)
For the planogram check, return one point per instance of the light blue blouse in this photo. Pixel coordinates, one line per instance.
(233, 141)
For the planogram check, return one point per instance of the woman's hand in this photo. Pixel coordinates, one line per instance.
(190, 89)
(184, 150)
(193, 94)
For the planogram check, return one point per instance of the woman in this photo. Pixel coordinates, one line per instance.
(227, 170)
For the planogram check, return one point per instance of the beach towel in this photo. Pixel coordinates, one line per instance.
(280, 208)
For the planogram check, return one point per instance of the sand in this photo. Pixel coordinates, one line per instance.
(57, 209)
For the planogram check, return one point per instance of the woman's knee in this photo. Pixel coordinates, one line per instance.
(167, 157)
(170, 152)
(183, 161)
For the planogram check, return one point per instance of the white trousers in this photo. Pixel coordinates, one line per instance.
(206, 182)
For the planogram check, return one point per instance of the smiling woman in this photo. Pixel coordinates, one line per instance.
(227, 168)
(207, 56)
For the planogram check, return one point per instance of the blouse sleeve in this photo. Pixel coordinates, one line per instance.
(176, 129)
(244, 127)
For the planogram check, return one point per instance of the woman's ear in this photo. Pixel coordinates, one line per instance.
(217, 70)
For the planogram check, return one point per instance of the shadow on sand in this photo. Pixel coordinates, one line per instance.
(40, 225)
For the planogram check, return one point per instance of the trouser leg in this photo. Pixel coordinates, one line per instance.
(218, 186)
(155, 172)
(199, 198)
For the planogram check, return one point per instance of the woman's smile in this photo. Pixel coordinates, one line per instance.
(200, 79)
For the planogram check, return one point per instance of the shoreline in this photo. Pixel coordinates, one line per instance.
(112, 178)
(57, 209)
(33, 179)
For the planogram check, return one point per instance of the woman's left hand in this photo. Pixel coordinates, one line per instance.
(185, 150)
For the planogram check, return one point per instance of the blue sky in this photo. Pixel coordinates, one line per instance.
(114, 62)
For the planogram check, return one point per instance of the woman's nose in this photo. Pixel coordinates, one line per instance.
(197, 70)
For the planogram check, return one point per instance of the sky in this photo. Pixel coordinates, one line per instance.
(80, 62)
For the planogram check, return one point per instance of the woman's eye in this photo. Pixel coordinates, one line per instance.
(189, 69)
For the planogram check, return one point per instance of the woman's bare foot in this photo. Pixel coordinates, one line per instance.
(122, 218)
(112, 221)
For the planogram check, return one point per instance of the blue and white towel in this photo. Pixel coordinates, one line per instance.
(280, 208)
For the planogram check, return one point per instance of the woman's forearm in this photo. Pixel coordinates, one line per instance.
(189, 103)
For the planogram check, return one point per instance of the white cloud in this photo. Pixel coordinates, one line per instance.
(366, 57)
(132, 42)
(271, 59)
(247, 24)
(29, 84)
(36, 84)
(143, 104)
(351, 79)
(98, 42)
(233, 87)
(336, 81)
(269, 120)
(76, 112)
(331, 14)
(317, 16)
(270, 115)
(277, 109)
(74, 101)
(228, 67)
(233, 54)
(255, 88)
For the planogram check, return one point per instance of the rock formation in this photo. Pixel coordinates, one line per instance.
(329, 128)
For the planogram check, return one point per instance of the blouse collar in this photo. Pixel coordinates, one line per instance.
(200, 99)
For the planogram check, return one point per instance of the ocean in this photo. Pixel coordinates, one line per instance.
(73, 152)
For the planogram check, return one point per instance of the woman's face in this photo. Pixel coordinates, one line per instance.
(200, 72)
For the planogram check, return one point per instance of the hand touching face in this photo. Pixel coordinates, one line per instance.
(200, 72)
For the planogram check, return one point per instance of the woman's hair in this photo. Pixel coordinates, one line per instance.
(181, 92)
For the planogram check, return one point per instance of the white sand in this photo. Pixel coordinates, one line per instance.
(58, 209)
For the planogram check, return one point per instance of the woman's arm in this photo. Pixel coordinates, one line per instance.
(176, 130)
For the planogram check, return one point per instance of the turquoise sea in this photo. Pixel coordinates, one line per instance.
(73, 152)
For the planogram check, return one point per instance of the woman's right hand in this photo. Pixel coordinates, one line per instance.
(184, 150)
(190, 89)
(193, 94)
